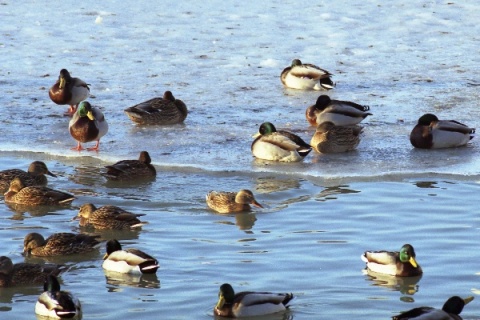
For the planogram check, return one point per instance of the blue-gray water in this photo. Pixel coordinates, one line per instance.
(223, 59)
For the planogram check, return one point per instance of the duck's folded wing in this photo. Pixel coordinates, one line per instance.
(380, 257)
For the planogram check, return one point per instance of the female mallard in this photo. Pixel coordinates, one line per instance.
(274, 145)
(450, 310)
(57, 304)
(34, 195)
(305, 76)
(108, 217)
(226, 202)
(20, 274)
(128, 260)
(163, 111)
(68, 90)
(87, 124)
(340, 113)
(35, 176)
(329, 138)
(400, 264)
(248, 304)
(132, 169)
(431, 133)
(58, 244)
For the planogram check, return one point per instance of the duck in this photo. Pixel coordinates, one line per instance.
(58, 244)
(87, 124)
(108, 217)
(132, 169)
(284, 146)
(55, 303)
(35, 176)
(340, 113)
(398, 263)
(18, 193)
(161, 111)
(228, 202)
(329, 138)
(131, 261)
(249, 303)
(432, 133)
(450, 311)
(68, 90)
(306, 76)
(21, 274)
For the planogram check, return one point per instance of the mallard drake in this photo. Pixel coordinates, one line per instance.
(68, 90)
(329, 138)
(108, 217)
(57, 304)
(19, 274)
(431, 133)
(35, 176)
(270, 144)
(306, 76)
(450, 311)
(248, 304)
(163, 111)
(400, 264)
(226, 202)
(128, 260)
(132, 169)
(34, 195)
(340, 113)
(87, 124)
(57, 244)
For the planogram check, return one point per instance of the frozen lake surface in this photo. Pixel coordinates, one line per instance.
(223, 59)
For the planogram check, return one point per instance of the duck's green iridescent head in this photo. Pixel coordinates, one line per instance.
(63, 78)
(225, 295)
(85, 110)
(296, 62)
(51, 284)
(407, 254)
(427, 118)
(322, 102)
(455, 304)
(267, 128)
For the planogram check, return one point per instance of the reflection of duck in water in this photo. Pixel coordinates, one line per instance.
(245, 221)
(450, 310)
(406, 285)
(149, 281)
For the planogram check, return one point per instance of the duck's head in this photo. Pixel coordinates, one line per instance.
(427, 119)
(144, 157)
(225, 295)
(322, 102)
(85, 110)
(168, 95)
(51, 284)
(32, 240)
(85, 211)
(246, 197)
(15, 186)
(296, 63)
(407, 254)
(112, 246)
(455, 304)
(64, 78)
(6, 265)
(39, 168)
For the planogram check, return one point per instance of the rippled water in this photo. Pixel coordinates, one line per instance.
(223, 59)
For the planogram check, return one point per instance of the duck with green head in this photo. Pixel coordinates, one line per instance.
(130, 260)
(227, 202)
(87, 124)
(55, 303)
(69, 90)
(35, 176)
(450, 311)
(249, 303)
(306, 76)
(396, 263)
(432, 133)
(340, 113)
(284, 146)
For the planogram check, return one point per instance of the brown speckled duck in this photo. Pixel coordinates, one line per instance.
(162, 111)
(20, 194)
(20, 274)
(431, 133)
(395, 263)
(226, 202)
(58, 244)
(35, 176)
(249, 303)
(132, 169)
(329, 138)
(108, 217)
(68, 90)
(306, 76)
